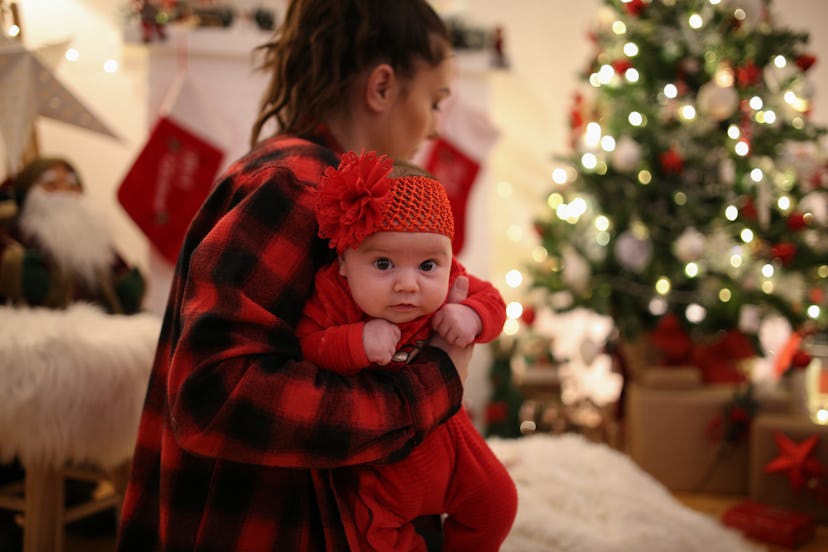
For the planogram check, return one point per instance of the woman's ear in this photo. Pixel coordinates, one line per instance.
(341, 259)
(381, 87)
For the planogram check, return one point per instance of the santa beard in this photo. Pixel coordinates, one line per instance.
(72, 231)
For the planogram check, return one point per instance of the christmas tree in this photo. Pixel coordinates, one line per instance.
(697, 193)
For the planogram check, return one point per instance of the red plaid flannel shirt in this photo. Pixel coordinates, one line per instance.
(240, 438)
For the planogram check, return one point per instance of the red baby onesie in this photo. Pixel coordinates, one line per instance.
(452, 471)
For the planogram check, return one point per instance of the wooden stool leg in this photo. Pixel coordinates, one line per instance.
(43, 523)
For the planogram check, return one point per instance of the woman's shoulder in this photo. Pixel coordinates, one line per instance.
(302, 158)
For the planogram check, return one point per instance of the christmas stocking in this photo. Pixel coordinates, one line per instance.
(457, 172)
(454, 158)
(170, 178)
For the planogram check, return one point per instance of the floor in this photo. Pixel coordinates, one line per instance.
(88, 544)
(713, 505)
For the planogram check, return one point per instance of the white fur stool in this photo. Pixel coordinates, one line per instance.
(72, 385)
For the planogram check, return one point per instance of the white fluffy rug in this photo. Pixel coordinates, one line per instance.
(72, 383)
(578, 496)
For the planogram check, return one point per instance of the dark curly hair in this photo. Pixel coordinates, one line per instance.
(323, 45)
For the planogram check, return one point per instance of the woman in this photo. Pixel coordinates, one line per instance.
(240, 439)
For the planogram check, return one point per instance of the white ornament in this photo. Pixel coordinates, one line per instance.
(689, 246)
(727, 171)
(774, 333)
(691, 65)
(717, 102)
(633, 253)
(627, 155)
(792, 288)
(816, 203)
(604, 18)
(719, 249)
(775, 76)
(750, 319)
(803, 157)
(576, 272)
(754, 9)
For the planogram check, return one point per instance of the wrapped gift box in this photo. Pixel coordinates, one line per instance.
(671, 377)
(770, 524)
(807, 454)
(668, 434)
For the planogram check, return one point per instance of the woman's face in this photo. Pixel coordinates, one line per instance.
(413, 117)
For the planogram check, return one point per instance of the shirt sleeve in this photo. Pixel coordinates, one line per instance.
(487, 302)
(331, 329)
(238, 388)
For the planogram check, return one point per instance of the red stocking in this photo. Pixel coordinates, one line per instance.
(457, 172)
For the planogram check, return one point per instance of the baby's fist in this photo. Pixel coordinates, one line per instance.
(380, 338)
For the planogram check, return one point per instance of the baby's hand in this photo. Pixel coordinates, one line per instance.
(457, 324)
(380, 338)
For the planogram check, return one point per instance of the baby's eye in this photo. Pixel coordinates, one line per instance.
(428, 266)
(383, 263)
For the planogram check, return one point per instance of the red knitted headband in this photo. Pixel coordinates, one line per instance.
(358, 199)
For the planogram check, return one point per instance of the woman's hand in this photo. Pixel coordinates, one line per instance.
(460, 356)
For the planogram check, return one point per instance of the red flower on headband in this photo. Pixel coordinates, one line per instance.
(351, 199)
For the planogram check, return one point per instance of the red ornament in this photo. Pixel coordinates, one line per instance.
(801, 359)
(784, 357)
(784, 251)
(592, 37)
(796, 221)
(496, 412)
(720, 360)
(805, 61)
(748, 210)
(635, 7)
(671, 162)
(795, 460)
(819, 178)
(577, 118)
(621, 65)
(739, 415)
(671, 340)
(528, 316)
(748, 75)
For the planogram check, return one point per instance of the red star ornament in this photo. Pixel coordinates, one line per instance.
(794, 458)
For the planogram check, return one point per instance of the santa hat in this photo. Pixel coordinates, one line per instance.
(32, 172)
(359, 198)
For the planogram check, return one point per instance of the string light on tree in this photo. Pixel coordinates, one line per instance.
(690, 177)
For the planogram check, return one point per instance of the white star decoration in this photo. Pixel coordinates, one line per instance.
(30, 89)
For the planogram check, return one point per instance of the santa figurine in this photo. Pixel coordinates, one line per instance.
(57, 248)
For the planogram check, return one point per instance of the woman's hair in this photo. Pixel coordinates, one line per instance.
(323, 45)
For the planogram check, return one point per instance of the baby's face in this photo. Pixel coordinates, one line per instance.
(398, 276)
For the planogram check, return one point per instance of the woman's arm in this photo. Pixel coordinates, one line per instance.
(237, 386)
